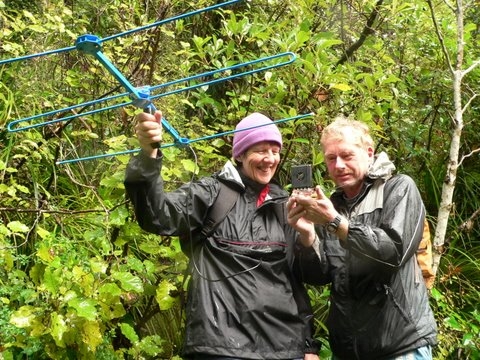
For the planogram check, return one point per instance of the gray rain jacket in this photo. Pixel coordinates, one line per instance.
(244, 299)
(379, 303)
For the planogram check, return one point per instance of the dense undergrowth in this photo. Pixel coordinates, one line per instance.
(79, 279)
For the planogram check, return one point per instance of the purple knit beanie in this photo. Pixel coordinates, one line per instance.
(242, 140)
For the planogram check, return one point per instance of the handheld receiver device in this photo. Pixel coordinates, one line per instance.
(302, 181)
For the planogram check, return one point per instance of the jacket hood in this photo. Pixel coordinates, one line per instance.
(382, 167)
(230, 173)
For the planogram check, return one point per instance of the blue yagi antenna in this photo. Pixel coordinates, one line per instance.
(142, 97)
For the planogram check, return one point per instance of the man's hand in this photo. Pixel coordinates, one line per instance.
(311, 357)
(149, 131)
(318, 210)
(304, 211)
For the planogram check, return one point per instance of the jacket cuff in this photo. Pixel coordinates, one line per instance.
(149, 164)
(141, 167)
(312, 346)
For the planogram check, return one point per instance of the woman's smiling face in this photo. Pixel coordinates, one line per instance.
(260, 161)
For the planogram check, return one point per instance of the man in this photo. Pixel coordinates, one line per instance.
(370, 229)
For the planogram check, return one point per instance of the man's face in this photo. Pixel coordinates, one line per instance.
(260, 161)
(347, 162)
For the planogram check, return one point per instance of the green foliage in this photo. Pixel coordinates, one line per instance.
(80, 279)
(455, 300)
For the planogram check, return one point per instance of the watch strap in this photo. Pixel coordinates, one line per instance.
(333, 225)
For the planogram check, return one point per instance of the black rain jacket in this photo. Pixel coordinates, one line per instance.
(244, 300)
(379, 302)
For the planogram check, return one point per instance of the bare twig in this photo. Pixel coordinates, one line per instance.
(448, 5)
(468, 155)
(469, 102)
(64, 212)
(439, 35)
(471, 67)
(467, 225)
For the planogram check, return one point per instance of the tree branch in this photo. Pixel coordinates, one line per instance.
(468, 155)
(471, 67)
(448, 5)
(367, 30)
(468, 224)
(469, 102)
(439, 36)
(65, 212)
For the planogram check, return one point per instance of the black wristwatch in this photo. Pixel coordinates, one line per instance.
(333, 225)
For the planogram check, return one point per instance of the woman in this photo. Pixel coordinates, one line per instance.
(244, 300)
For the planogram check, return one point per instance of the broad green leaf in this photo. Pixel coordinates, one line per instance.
(92, 235)
(369, 81)
(38, 28)
(129, 332)
(267, 76)
(84, 279)
(128, 281)
(150, 247)
(135, 264)
(110, 289)
(4, 300)
(301, 140)
(45, 253)
(468, 340)
(118, 216)
(18, 227)
(189, 166)
(52, 279)
(391, 79)
(98, 266)
(92, 335)
(37, 328)
(58, 328)
(29, 15)
(23, 317)
(7, 259)
(36, 272)
(340, 86)
(302, 37)
(164, 300)
(84, 307)
(453, 323)
(114, 181)
(149, 267)
(117, 142)
(42, 232)
(437, 295)
(69, 295)
(4, 231)
(131, 230)
(152, 345)
(22, 189)
(113, 311)
(327, 43)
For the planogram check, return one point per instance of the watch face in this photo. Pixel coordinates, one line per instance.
(332, 228)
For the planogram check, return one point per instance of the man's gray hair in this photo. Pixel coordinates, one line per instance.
(342, 125)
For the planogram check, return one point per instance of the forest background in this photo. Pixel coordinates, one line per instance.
(80, 279)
